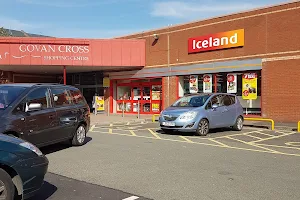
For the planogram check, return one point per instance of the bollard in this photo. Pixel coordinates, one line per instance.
(123, 110)
(138, 109)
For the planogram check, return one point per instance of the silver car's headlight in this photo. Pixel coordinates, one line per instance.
(31, 147)
(188, 115)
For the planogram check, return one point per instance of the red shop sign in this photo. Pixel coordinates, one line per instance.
(206, 78)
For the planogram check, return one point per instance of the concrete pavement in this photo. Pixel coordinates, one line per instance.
(168, 169)
(62, 188)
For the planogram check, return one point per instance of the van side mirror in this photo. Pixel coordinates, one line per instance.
(33, 107)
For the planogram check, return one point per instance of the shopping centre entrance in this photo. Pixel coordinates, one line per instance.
(140, 95)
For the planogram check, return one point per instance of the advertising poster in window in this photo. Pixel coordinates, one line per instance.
(231, 83)
(193, 84)
(100, 103)
(156, 92)
(155, 107)
(249, 86)
(207, 83)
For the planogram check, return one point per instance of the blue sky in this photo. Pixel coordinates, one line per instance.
(112, 18)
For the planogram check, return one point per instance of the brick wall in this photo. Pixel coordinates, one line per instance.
(267, 32)
(280, 90)
(170, 90)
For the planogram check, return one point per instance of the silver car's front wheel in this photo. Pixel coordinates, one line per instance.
(239, 124)
(203, 127)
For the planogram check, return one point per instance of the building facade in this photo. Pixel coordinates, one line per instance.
(254, 54)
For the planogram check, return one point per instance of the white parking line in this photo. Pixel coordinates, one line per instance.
(131, 198)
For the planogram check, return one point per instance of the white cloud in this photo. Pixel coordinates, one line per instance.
(70, 3)
(18, 24)
(180, 9)
(88, 33)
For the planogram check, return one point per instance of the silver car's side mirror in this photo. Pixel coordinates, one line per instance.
(214, 106)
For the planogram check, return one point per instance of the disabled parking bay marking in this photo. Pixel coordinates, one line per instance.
(131, 198)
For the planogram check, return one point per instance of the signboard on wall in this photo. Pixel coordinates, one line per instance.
(231, 83)
(216, 41)
(249, 86)
(207, 83)
(106, 82)
(193, 84)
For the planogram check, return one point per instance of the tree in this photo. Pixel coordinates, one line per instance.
(3, 32)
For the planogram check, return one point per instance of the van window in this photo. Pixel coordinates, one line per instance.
(8, 94)
(40, 95)
(77, 97)
(61, 97)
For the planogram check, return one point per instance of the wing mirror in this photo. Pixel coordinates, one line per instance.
(214, 106)
(33, 107)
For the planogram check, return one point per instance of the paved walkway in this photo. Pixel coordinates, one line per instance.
(103, 118)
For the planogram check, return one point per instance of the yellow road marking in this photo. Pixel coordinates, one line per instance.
(132, 133)
(274, 137)
(251, 144)
(220, 143)
(248, 134)
(92, 128)
(294, 144)
(271, 145)
(111, 124)
(229, 147)
(264, 134)
(186, 139)
(154, 134)
(110, 131)
(232, 135)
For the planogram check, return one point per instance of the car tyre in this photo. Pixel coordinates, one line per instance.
(7, 188)
(167, 131)
(239, 124)
(203, 127)
(79, 136)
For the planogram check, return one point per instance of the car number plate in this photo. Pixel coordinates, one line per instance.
(168, 123)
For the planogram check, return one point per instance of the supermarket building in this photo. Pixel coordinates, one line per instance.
(254, 54)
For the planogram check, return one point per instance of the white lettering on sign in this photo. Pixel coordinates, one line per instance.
(54, 48)
(215, 42)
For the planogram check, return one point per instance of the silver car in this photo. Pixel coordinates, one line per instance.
(201, 112)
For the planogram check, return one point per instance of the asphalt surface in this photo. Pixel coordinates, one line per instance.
(141, 160)
(62, 188)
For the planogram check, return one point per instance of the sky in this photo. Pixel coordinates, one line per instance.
(112, 18)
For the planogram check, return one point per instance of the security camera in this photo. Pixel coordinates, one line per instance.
(155, 36)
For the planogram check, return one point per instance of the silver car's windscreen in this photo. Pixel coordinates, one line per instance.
(191, 101)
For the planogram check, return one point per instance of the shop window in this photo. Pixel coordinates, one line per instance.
(249, 93)
(124, 93)
(201, 83)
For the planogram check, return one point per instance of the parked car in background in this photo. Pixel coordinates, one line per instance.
(22, 168)
(201, 112)
(44, 114)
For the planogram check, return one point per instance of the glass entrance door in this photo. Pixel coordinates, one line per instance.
(146, 100)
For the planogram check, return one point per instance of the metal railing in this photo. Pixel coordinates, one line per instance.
(263, 119)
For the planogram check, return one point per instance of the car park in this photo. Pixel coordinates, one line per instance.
(22, 168)
(201, 112)
(44, 114)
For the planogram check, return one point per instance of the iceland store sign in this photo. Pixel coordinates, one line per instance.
(216, 41)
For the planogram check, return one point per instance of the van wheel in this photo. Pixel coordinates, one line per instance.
(7, 188)
(239, 123)
(79, 136)
(203, 128)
